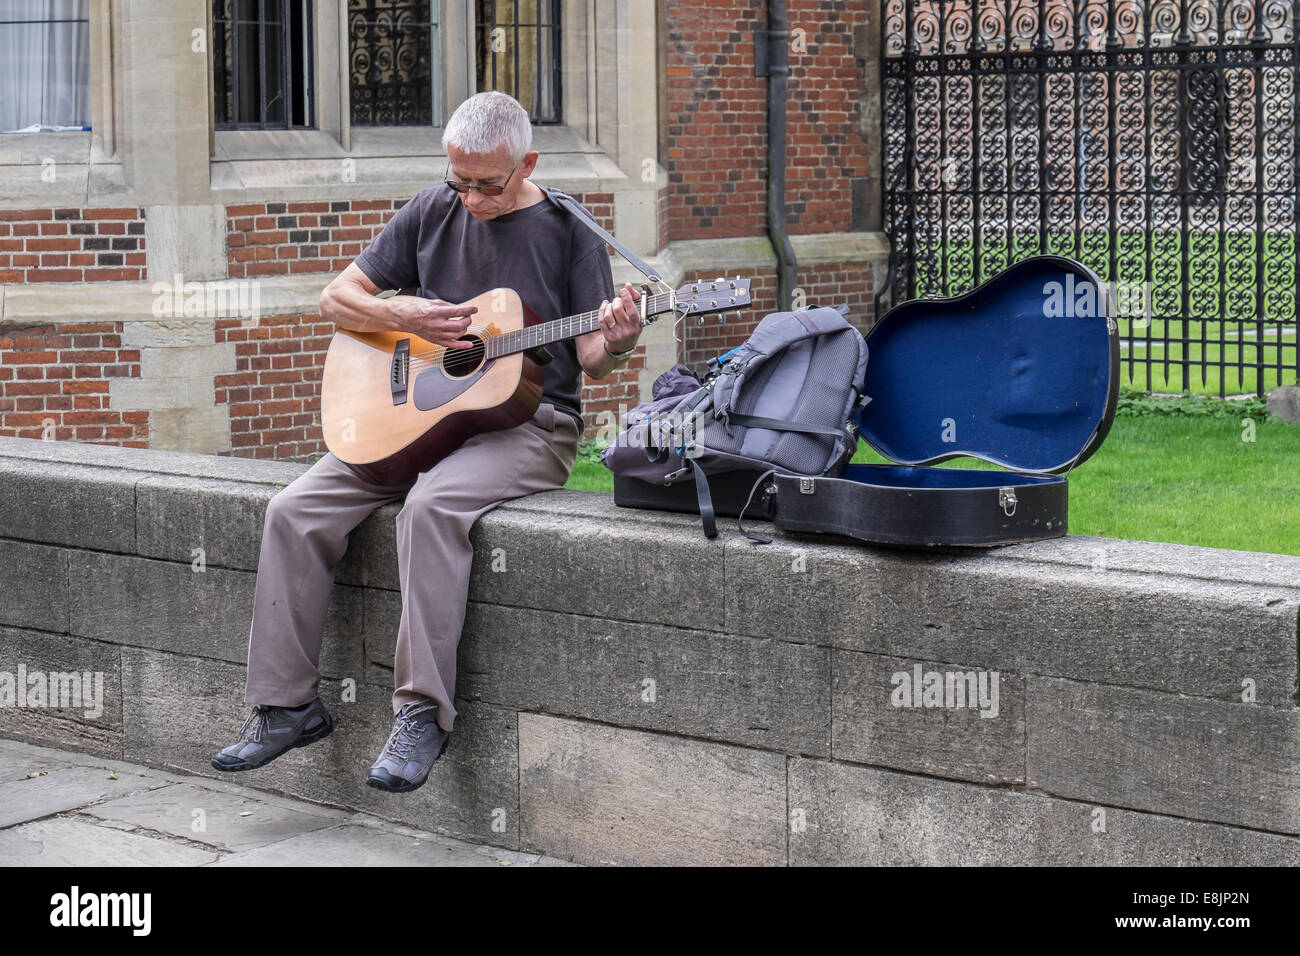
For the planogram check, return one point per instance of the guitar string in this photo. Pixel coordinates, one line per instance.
(421, 359)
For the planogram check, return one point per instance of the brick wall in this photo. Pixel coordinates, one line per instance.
(264, 239)
(54, 383)
(825, 148)
(717, 118)
(71, 245)
(277, 238)
(601, 207)
(616, 393)
(274, 392)
(717, 150)
(821, 285)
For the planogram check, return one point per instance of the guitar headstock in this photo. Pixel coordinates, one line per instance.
(704, 297)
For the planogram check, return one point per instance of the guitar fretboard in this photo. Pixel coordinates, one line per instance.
(544, 333)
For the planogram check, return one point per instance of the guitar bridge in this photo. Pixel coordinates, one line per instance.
(401, 370)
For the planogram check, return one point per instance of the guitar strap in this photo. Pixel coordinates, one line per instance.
(565, 201)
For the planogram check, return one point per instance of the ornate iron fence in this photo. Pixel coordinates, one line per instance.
(1154, 141)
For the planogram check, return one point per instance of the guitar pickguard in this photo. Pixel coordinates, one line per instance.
(433, 387)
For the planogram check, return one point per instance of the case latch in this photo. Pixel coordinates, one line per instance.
(1007, 499)
(806, 486)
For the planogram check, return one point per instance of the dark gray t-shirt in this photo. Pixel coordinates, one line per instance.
(555, 263)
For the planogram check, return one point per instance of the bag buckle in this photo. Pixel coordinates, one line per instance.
(673, 476)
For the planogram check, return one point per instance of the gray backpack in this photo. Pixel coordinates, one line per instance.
(783, 401)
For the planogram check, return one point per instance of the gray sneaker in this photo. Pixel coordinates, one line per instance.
(412, 749)
(270, 731)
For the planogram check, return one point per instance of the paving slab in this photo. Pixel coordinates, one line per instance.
(361, 844)
(79, 841)
(227, 820)
(66, 808)
(67, 788)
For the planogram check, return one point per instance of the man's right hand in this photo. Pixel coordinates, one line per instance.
(352, 301)
(434, 320)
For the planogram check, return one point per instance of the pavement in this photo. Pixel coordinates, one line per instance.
(64, 808)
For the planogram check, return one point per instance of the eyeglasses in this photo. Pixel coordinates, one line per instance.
(490, 190)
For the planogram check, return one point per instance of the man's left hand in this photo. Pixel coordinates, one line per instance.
(620, 321)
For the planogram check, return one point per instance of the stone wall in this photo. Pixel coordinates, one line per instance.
(632, 692)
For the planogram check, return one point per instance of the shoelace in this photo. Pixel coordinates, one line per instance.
(255, 725)
(402, 739)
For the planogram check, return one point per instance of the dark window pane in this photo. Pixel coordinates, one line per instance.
(518, 52)
(262, 63)
(391, 63)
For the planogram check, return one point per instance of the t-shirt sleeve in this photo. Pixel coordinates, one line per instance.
(389, 261)
(591, 281)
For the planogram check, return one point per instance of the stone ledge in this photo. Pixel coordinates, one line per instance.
(616, 647)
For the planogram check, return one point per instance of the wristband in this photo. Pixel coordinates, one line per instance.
(618, 357)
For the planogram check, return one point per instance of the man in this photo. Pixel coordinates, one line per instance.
(488, 226)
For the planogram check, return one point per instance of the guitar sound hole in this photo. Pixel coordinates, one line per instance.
(457, 363)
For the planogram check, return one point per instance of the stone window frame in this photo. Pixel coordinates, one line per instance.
(601, 63)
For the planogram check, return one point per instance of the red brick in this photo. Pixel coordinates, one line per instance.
(91, 418)
(52, 245)
(33, 388)
(308, 265)
(112, 213)
(81, 328)
(87, 355)
(54, 275)
(31, 358)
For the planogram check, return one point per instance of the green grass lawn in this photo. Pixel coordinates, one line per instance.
(1185, 480)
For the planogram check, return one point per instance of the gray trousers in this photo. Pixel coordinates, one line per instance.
(306, 533)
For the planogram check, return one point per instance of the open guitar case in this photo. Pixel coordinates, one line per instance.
(1021, 372)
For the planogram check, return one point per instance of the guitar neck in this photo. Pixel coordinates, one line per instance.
(571, 326)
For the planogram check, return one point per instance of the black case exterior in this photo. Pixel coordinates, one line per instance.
(1006, 510)
(728, 490)
(914, 505)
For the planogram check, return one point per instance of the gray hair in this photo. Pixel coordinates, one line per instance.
(487, 121)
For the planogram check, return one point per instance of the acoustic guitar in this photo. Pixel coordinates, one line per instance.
(394, 404)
